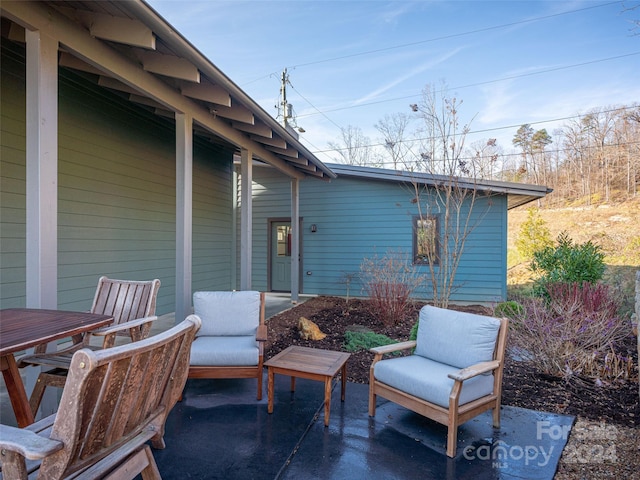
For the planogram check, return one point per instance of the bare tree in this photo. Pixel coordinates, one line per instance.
(355, 149)
(484, 158)
(394, 137)
(447, 209)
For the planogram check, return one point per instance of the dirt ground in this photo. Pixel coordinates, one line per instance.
(597, 409)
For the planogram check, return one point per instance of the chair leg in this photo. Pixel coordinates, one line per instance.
(260, 385)
(52, 378)
(151, 472)
(36, 396)
(372, 401)
(496, 416)
(452, 440)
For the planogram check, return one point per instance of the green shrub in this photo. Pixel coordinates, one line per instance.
(567, 263)
(534, 235)
(357, 341)
(509, 309)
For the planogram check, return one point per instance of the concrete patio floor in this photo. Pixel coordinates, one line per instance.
(220, 431)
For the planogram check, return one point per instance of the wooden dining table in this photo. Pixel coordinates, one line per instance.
(23, 328)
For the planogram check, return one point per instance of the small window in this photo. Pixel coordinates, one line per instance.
(425, 240)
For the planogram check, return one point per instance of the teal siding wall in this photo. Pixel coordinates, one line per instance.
(271, 200)
(12, 182)
(359, 218)
(212, 223)
(116, 197)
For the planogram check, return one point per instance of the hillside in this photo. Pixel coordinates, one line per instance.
(615, 227)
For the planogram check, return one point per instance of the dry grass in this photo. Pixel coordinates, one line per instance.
(614, 227)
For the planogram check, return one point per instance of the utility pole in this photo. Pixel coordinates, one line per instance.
(285, 108)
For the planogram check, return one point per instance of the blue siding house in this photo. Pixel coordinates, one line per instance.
(366, 213)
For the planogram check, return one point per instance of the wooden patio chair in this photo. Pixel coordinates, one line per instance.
(132, 305)
(454, 373)
(230, 343)
(114, 401)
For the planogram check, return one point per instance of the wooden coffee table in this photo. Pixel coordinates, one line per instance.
(312, 364)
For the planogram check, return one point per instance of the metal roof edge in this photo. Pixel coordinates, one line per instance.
(526, 190)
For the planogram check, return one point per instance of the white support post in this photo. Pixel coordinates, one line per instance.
(295, 241)
(246, 215)
(184, 214)
(42, 184)
(42, 170)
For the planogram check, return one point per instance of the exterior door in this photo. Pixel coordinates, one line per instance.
(280, 256)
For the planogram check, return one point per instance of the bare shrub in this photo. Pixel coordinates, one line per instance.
(389, 281)
(574, 332)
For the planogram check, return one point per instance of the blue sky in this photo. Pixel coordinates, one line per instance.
(353, 62)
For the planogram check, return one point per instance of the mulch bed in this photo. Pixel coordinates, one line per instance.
(523, 386)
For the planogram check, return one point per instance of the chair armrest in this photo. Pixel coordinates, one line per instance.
(27, 443)
(394, 347)
(111, 329)
(261, 333)
(474, 370)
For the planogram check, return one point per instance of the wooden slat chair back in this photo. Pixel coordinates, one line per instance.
(115, 401)
(132, 304)
(125, 301)
(231, 341)
(453, 374)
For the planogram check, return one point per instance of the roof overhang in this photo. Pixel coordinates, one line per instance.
(518, 194)
(127, 47)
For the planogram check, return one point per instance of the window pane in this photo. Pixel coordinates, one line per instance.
(284, 241)
(426, 239)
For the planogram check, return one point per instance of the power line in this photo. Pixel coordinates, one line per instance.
(453, 35)
(313, 106)
(511, 77)
(519, 154)
(435, 39)
(486, 130)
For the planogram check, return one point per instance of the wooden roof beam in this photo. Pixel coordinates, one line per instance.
(207, 92)
(236, 112)
(259, 129)
(119, 29)
(69, 61)
(170, 66)
(283, 151)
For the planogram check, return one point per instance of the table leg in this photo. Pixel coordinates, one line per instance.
(15, 389)
(344, 381)
(293, 383)
(327, 399)
(270, 389)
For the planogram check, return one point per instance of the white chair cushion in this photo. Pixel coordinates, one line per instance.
(224, 351)
(227, 313)
(454, 338)
(428, 380)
